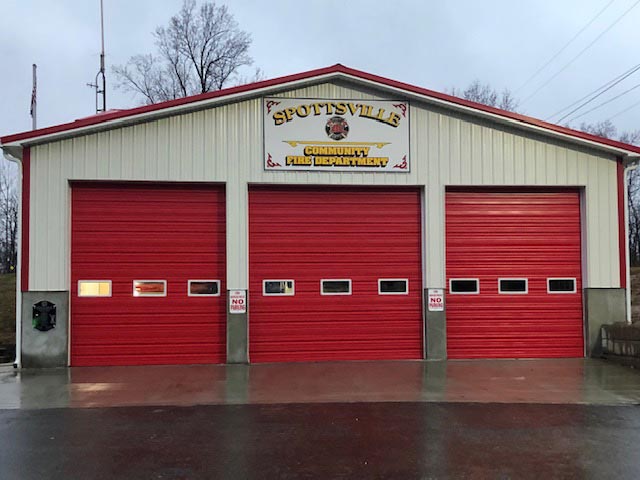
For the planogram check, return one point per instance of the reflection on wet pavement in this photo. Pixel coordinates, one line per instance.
(565, 381)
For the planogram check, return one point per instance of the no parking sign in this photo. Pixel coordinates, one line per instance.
(436, 300)
(237, 301)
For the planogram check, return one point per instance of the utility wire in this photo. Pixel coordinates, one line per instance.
(604, 103)
(625, 110)
(568, 64)
(603, 90)
(611, 83)
(564, 47)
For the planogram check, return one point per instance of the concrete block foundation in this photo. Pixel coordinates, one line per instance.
(45, 349)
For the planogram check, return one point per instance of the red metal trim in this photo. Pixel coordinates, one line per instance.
(622, 237)
(511, 189)
(26, 190)
(334, 69)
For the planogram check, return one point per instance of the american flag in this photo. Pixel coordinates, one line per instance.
(34, 92)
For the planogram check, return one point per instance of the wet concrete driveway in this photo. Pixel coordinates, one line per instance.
(402, 420)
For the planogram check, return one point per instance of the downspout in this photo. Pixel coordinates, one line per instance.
(17, 363)
(630, 164)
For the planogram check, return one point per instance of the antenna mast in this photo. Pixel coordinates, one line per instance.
(100, 84)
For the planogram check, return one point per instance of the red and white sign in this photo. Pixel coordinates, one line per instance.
(237, 301)
(436, 300)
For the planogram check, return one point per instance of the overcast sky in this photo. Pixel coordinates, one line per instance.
(429, 43)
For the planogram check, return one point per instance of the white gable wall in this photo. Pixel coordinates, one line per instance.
(224, 144)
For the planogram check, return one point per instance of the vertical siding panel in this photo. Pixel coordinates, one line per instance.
(102, 155)
(77, 157)
(91, 157)
(126, 149)
(572, 167)
(488, 169)
(197, 136)
(162, 143)
(150, 153)
(444, 150)
(497, 154)
(476, 154)
(466, 158)
(593, 236)
(540, 162)
(610, 181)
(520, 160)
(115, 154)
(186, 147)
(508, 159)
(455, 151)
(138, 157)
(560, 167)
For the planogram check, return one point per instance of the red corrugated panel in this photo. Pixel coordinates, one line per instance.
(135, 232)
(525, 235)
(309, 234)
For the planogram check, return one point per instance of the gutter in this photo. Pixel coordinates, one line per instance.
(629, 163)
(17, 363)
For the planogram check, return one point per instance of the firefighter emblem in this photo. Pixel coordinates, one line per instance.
(337, 128)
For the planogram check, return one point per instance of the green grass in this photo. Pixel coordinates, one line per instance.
(7, 309)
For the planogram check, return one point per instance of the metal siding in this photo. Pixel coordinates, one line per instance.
(124, 233)
(224, 144)
(310, 234)
(514, 235)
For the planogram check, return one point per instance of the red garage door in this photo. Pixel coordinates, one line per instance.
(513, 275)
(334, 274)
(148, 275)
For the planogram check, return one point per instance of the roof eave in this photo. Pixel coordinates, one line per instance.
(235, 94)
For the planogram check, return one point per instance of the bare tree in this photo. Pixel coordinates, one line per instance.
(483, 93)
(8, 219)
(200, 50)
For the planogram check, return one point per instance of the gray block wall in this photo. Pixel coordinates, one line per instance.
(602, 306)
(238, 334)
(435, 331)
(45, 349)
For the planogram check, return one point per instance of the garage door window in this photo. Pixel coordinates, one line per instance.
(149, 288)
(94, 288)
(513, 285)
(335, 287)
(204, 288)
(561, 285)
(278, 288)
(464, 285)
(393, 286)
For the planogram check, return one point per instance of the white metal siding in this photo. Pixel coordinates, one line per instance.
(224, 144)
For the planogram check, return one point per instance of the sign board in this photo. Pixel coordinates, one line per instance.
(436, 300)
(325, 135)
(237, 301)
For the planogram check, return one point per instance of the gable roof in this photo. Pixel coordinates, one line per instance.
(119, 118)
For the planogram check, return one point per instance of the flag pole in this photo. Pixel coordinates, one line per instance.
(34, 99)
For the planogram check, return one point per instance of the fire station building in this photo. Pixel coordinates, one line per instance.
(327, 215)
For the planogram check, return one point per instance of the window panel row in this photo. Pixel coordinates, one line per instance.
(510, 286)
(335, 286)
(148, 288)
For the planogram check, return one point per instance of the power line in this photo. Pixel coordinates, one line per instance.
(605, 103)
(568, 64)
(564, 47)
(613, 81)
(625, 110)
(608, 86)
